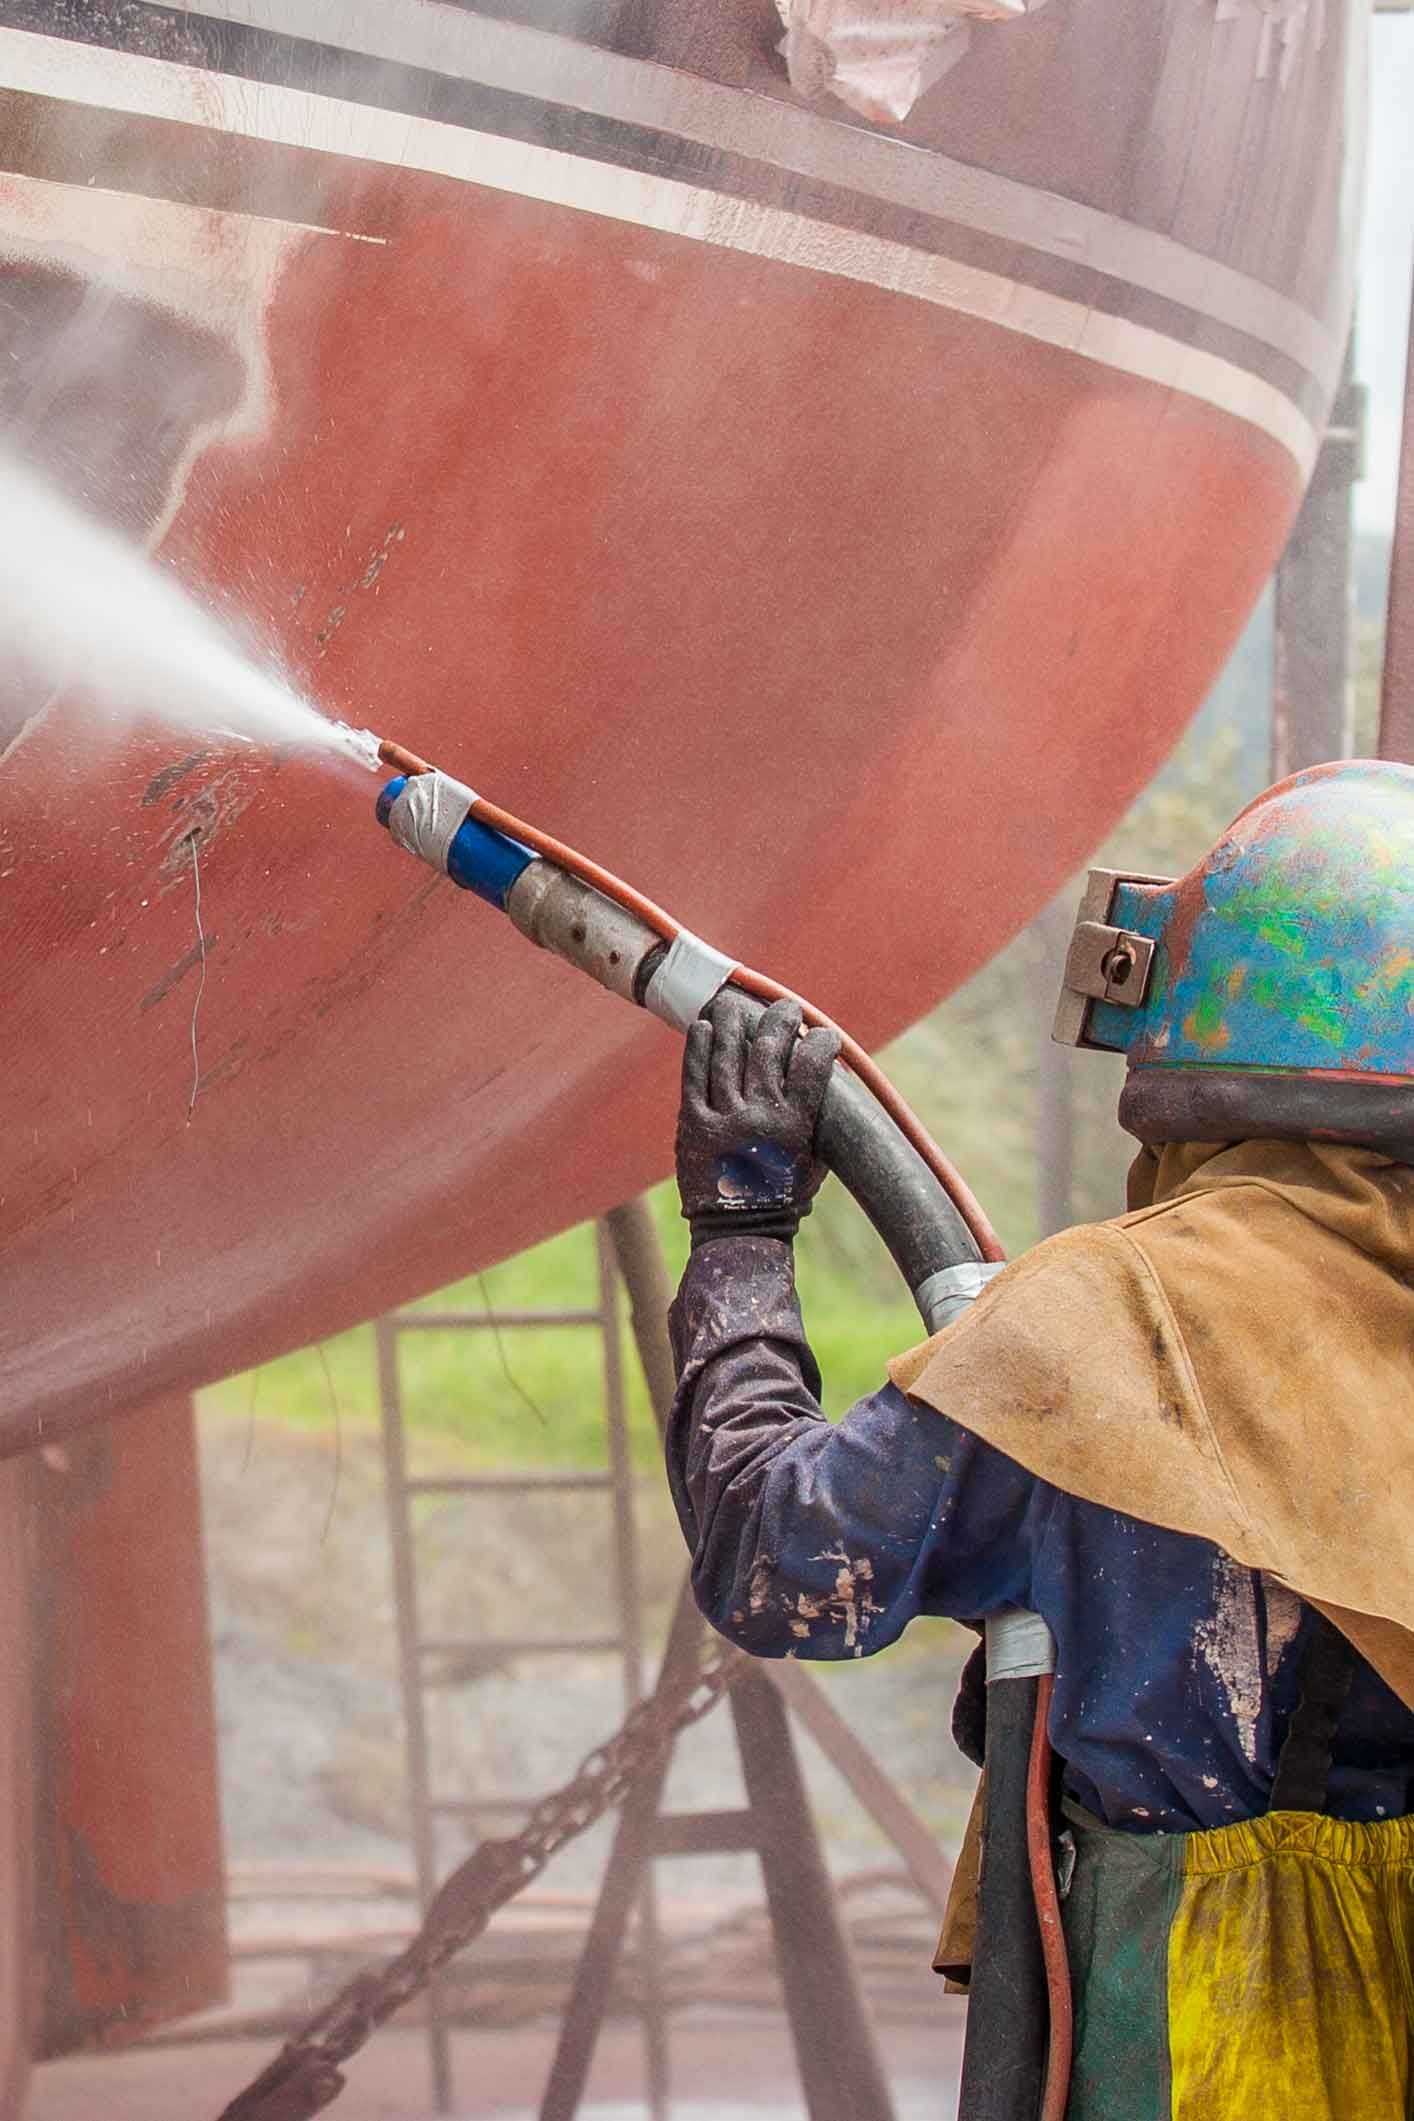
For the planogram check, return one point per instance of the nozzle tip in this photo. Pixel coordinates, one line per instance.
(402, 761)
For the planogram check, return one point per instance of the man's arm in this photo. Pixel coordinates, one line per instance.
(816, 1539)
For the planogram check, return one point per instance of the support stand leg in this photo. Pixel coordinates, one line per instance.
(623, 1881)
(841, 2072)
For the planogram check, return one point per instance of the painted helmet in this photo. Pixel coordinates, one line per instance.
(1270, 992)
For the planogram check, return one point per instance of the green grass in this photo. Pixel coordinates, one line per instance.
(537, 1398)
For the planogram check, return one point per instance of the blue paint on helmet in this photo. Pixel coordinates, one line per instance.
(1290, 946)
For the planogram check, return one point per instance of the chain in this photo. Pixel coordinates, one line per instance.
(305, 2076)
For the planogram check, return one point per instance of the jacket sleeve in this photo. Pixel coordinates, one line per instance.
(818, 1539)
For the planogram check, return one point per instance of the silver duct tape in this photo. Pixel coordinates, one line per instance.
(1019, 1646)
(690, 974)
(945, 1295)
(428, 815)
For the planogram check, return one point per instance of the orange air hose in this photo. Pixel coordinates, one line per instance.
(1048, 1914)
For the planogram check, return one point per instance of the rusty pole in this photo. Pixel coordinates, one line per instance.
(1397, 689)
(1055, 1088)
(415, 1734)
(644, 1272)
(1312, 695)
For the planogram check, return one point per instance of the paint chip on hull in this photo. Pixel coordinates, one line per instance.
(175, 974)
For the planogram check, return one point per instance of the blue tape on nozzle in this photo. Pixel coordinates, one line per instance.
(479, 858)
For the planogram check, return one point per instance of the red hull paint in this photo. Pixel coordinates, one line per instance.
(130, 1871)
(876, 678)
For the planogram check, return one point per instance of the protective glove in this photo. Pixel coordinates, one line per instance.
(751, 1098)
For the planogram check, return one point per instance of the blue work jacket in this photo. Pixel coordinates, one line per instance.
(1177, 1669)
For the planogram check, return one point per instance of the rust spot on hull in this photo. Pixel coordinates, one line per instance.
(175, 974)
(161, 783)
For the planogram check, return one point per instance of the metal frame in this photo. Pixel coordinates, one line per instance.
(1397, 689)
(417, 1652)
(840, 2070)
(1313, 702)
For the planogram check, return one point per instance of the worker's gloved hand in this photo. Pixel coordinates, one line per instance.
(751, 1097)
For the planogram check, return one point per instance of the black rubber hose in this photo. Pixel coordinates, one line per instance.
(905, 1201)
(1004, 2059)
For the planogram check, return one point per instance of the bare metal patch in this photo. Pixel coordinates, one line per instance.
(175, 974)
(162, 783)
(199, 819)
(1227, 1642)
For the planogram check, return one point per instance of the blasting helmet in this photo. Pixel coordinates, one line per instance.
(1270, 992)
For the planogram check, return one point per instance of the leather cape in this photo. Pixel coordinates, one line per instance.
(1233, 1358)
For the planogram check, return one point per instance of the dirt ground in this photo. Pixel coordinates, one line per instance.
(722, 2069)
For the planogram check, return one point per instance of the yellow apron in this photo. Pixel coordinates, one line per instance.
(1257, 1972)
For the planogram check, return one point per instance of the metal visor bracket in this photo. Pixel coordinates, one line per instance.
(1104, 963)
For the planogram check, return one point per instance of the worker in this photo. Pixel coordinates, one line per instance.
(1185, 1438)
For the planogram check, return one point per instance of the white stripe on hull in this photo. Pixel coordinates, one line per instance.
(163, 89)
(514, 57)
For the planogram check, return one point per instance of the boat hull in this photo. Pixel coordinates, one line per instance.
(857, 759)
(834, 584)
